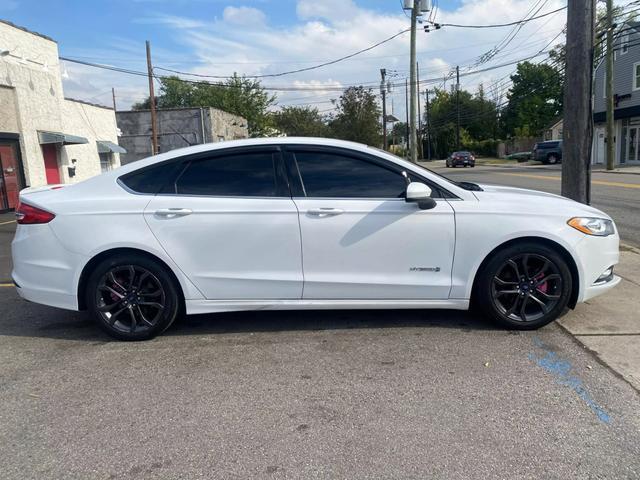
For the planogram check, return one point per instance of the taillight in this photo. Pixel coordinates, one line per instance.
(29, 215)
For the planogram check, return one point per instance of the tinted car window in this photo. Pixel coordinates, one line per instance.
(243, 175)
(327, 174)
(151, 179)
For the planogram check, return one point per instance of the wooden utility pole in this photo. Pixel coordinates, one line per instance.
(406, 99)
(383, 92)
(152, 103)
(458, 108)
(419, 136)
(113, 95)
(609, 89)
(413, 143)
(428, 121)
(577, 128)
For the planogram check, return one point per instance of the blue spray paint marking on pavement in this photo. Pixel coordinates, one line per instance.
(561, 370)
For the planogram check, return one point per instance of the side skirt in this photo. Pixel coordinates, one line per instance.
(213, 306)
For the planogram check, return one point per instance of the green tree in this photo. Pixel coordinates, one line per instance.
(357, 118)
(300, 121)
(238, 95)
(477, 120)
(534, 100)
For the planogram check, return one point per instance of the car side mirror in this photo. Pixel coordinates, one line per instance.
(421, 194)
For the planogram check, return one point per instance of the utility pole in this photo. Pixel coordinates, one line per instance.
(406, 99)
(428, 119)
(419, 136)
(383, 92)
(458, 107)
(609, 91)
(113, 95)
(577, 128)
(152, 102)
(413, 144)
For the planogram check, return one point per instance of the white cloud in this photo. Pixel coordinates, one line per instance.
(243, 16)
(327, 29)
(334, 10)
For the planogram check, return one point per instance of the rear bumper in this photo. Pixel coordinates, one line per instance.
(462, 163)
(43, 270)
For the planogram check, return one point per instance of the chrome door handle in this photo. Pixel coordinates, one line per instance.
(173, 212)
(325, 212)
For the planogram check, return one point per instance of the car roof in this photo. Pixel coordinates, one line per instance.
(211, 147)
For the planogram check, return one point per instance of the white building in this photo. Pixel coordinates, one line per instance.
(46, 138)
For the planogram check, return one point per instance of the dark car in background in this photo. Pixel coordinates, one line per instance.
(549, 152)
(466, 159)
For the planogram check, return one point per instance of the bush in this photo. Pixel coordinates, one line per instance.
(482, 148)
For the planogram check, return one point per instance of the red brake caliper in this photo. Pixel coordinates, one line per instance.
(543, 286)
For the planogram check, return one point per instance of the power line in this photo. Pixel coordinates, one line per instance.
(498, 25)
(306, 69)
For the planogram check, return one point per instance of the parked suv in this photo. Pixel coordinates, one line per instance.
(549, 152)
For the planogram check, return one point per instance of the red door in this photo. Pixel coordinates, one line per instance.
(50, 154)
(9, 185)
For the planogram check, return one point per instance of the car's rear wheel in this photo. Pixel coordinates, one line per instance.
(132, 297)
(524, 287)
(552, 159)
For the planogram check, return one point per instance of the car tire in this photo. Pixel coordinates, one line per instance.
(552, 159)
(132, 297)
(524, 286)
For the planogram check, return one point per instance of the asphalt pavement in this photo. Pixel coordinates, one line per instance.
(616, 194)
(395, 394)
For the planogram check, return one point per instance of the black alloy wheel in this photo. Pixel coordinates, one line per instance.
(524, 286)
(132, 298)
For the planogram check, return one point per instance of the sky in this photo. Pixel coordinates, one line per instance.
(260, 37)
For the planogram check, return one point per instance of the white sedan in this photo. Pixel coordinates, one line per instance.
(303, 223)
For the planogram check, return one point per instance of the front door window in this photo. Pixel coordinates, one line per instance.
(633, 145)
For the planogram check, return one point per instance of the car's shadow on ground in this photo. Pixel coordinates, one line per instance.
(23, 319)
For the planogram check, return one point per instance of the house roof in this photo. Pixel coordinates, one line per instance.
(11, 24)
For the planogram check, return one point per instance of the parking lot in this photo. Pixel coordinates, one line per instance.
(346, 394)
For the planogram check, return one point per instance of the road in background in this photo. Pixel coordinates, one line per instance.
(616, 194)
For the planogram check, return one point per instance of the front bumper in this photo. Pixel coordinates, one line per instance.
(596, 255)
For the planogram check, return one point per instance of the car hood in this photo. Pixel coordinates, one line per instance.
(528, 199)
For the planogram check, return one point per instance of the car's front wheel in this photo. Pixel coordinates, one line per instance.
(524, 286)
(132, 297)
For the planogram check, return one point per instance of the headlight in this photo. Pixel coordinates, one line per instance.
(600, 227)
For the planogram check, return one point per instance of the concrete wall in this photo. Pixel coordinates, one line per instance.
(32, 72)
(226, 126)
(8, 110)
(177, 128)
(94, 123)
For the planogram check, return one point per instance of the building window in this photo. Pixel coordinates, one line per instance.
(105, 162)
(636, 76)
(625, 44)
